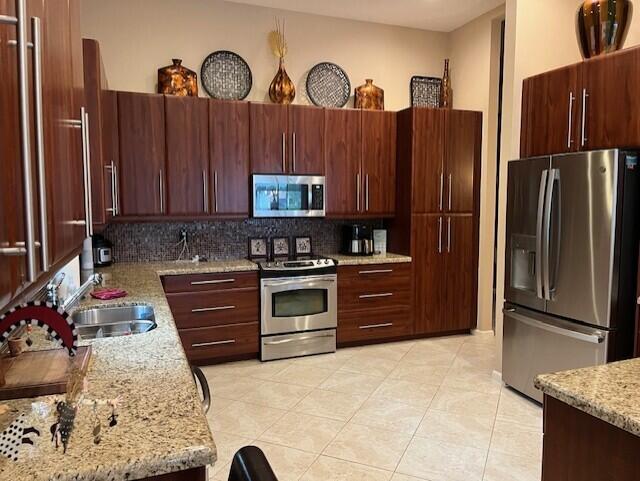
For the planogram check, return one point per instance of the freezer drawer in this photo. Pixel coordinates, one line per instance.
(534, 344)
(298, 344)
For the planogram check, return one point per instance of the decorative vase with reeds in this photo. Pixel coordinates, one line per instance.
(281, 90)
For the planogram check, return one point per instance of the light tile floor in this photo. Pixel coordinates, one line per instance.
(407, 411)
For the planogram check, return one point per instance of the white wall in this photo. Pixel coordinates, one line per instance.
(475, 64)
(139, 36)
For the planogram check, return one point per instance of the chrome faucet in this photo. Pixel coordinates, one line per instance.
(92, 281)
(52, 288)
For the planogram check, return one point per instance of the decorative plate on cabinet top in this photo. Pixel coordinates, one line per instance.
(225, 75)
(328, 85)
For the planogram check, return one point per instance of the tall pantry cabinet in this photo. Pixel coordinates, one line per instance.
(437, 213)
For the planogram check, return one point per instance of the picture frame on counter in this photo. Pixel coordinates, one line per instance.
(280, 247)
(258, 248)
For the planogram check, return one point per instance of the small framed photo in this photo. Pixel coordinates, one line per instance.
(303, 246)
(258, 248)
(280, 247)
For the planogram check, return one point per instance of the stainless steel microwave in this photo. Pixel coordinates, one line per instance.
(288, 195)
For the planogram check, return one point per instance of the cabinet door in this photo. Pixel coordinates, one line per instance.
(379, 162)
(611, 101)
(460, 276)
(229, 151)
(550, 121)
(343, 135)
(428, 160)
(429, 276)
(12, 268)
(142, 153)
(462, 164)
(268, 138)
(306, 129)
(187, 140)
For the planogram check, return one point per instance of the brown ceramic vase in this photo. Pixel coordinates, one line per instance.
(602, 26)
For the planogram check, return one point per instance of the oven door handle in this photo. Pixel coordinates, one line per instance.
(294, 339)
(304, 280)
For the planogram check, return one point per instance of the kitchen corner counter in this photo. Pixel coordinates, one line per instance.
(610, 392)
(161, 427)
(388, 258)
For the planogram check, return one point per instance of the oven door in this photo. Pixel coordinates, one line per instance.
(295, 304)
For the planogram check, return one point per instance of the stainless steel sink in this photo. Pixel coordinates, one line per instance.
(114, 321)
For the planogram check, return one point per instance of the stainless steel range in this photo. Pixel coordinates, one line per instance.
(298, 314)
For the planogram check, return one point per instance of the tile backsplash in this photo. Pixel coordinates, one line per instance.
(217, 240)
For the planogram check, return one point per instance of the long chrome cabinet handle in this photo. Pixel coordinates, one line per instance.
(440, 205)
(358, 192)
(36, 26)
(585, 96)
(450, 183)
(366, 192)
(215, 189)
(376, 326)
(371, 296)
(284, 155)
(205, 192)
(113, 209)
(23, 79)
(569, 131)
(439, 235)
(210, 309)
(213, 343)
(86, 161)
(376, 271)
(293, 151)
(213, 281)
(8, 20)
(449, 234)
(117, 182)
(539, 222)
(161, 191)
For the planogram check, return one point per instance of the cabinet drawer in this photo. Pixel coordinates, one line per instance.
(209, 282)
(354, 298)
(374, 325)
(221, 341)
(203, 309)
(374, 286)
(377, 273)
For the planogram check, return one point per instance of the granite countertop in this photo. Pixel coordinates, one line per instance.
(388, 258)
(161, 427)
(610, 392)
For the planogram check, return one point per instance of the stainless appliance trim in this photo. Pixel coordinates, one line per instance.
(376, 326)
(212, 281)
(585, 96)
(541, 204)
(309, 180)
(294, 339)
(376, 271)
(595, 338)
(371, 296)
(297, 344)
(213, 343)
(296, 281)
(210, 309)
(569, 136)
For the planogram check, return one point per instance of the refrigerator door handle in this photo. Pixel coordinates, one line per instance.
(596, 338)
(546, 233)
(539, 222)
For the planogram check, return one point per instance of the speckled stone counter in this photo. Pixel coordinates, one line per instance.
(388, 258)
(161, 427)
(610, 392)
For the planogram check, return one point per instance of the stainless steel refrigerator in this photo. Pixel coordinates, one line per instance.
(571, 263)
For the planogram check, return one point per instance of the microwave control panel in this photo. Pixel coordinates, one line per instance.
(317, 197)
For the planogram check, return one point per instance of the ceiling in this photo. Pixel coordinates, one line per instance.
(437, 15)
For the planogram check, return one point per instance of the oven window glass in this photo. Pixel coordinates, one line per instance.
(300, 302)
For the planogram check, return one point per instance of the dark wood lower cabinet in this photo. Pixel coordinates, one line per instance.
(578, 446)
(195, 474)
(215, 344)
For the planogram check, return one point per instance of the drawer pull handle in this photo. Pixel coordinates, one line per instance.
(209, 309)
(369, 296)
(294, 339)
(213, 343)
(377, 271)
(377, 326)
(214, 281)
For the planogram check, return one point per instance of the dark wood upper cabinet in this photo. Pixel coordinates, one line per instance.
(268, 131)
(462, 160)
(379, 162)
(229, 153)
(141, 132)
(611, 101)
(306, 140)
(550, 112)
(342, 147)
(428, 167)
(187, 141)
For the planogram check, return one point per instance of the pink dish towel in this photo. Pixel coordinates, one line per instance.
(107, 294)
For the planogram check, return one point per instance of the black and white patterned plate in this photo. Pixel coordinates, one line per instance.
(226, 76)
(328, 85)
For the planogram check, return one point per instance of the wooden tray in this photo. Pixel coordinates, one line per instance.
(41, 373)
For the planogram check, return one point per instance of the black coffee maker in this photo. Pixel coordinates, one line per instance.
(357, 240)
